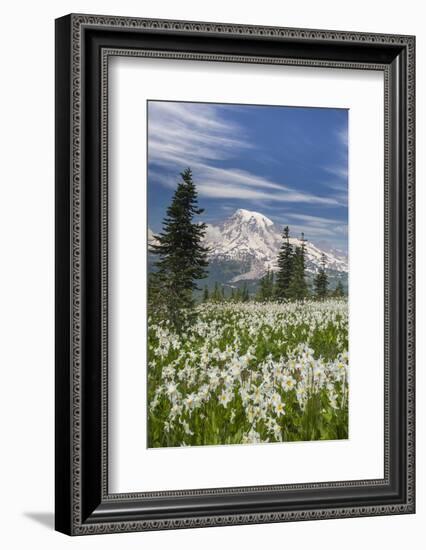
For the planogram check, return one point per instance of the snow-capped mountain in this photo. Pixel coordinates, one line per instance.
(252, 239)
(244, 246)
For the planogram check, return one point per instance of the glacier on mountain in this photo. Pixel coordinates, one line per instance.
(252, 240)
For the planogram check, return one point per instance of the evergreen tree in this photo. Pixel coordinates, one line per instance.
(321, 281)
(298, 289)
(155, 305)
(285, 267)
(182, 259)
(339, 292)
(206, 294)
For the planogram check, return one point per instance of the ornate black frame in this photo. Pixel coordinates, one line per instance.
(83, 46)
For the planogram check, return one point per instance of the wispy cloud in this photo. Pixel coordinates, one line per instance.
(240, 184)
(190, 132)
(314, 220)
(316, 227)
(312, 233)
(342, 136)
(338, 170)
(198, 135)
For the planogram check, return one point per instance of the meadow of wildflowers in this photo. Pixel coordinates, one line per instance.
(249, 373)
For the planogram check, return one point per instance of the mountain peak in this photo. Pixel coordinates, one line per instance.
(249, 216)
(252, 241)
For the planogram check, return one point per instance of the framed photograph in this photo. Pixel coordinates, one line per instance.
(234, 274)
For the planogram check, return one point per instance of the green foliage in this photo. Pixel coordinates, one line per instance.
(285, 267)
(339, 291)
(265, 291)
(245, 297)
(216, 295)
(321, 281)
(182, 259)
(219, 294)
(206, 294)
(290, 281)
(298, 289)
(222, 294)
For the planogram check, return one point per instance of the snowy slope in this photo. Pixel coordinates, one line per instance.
(254, 239)
(251, 241)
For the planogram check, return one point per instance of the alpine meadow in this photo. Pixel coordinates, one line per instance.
(247, 274)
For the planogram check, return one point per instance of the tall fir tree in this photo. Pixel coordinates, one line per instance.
(182, 259)
(298, 289)
(285, 267)
(321, 281)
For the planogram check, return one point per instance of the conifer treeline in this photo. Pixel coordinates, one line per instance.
(219, 294)
(288, 283)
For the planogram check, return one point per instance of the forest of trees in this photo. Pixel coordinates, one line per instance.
(183, 261)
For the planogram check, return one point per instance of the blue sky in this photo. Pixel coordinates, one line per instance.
(289, 163)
